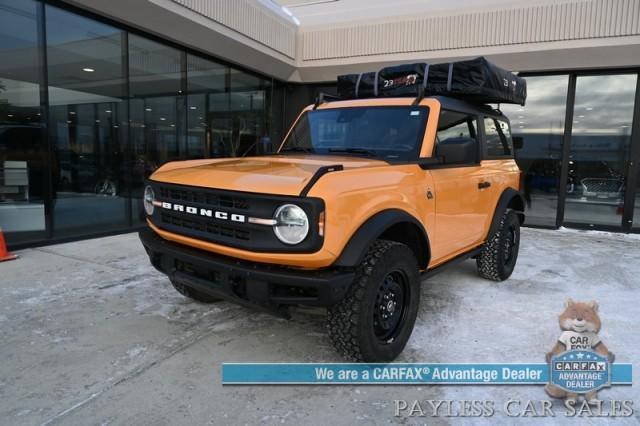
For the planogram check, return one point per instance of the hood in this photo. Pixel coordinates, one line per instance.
(284, 175)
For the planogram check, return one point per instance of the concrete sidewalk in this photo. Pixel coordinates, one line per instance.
(91, 334)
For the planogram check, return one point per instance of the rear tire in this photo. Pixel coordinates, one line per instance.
(500, 253)
(191, 293)
(376, 317)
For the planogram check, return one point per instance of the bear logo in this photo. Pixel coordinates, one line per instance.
(580, 325)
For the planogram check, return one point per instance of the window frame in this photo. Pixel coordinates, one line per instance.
(479, 137)
(485, 146)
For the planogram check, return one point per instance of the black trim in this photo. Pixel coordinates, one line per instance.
(455, 261)
(241, 235)
(324, 97)
(318, 174)
(566, 150)
(247, 283)
(503, 202)
(633, 170)
(361, 240)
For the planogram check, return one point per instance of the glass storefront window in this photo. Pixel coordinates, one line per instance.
(540, 124)
(248, 113)
(600, 149)
(23, 156)
(157, 108)
(87, 124)
(208, 108)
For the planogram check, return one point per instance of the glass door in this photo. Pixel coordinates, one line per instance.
(600, 150)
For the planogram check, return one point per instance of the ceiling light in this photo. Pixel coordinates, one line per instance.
(108, 111)
(589, 109)
(287, 11)
(296, 20)
(162, 119)
(193, 107)
(148, 109)
(10, 115)
(72, 113)
(581, 116)
(173, 125)
(88, 70)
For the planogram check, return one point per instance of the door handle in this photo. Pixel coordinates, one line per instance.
(483, 185)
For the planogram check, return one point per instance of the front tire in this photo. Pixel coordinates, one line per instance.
(376, 317)
(191, 293)
(500, 253)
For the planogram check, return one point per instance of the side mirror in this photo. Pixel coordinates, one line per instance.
(518, 141)
(458, 150)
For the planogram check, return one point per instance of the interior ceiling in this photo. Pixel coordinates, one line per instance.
(327, 12)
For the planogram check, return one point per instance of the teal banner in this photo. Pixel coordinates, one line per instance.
(397, 373)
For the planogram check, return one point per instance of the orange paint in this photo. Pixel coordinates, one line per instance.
(456, 218)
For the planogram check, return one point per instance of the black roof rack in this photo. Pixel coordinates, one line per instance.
(476, 81)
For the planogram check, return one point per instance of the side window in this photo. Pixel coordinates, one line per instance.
(456, 125)
(457, 138)
(498, 137)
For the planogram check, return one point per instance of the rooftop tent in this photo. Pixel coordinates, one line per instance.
(475, 80)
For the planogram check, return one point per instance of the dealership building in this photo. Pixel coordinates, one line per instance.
(95, 95)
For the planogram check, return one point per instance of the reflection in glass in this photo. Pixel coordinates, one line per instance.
(87, 123)
(207, 109)
(247, 113)
(540, 124)
(156, 108)
(600, 149)
(23, 159)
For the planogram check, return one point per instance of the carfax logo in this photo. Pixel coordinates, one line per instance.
(579, 363)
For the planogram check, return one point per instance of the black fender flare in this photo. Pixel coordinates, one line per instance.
(510, 198)
(356, 249)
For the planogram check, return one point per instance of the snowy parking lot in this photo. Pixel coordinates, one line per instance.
(91, 334)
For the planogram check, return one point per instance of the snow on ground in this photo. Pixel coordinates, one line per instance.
(91, 333)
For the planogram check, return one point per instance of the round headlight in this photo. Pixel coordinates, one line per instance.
(148, 199)
(292, 224)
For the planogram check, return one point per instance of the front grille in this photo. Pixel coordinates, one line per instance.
(200, 197)
(225, 230)
(211, 228)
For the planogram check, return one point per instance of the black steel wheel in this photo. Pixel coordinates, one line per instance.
(375, 319)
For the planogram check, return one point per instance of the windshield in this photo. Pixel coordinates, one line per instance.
(391, 133)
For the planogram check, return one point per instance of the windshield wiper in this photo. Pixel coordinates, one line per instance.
(354, 151)
(295, 149)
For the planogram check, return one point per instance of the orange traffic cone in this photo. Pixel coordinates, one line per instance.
(4, 254)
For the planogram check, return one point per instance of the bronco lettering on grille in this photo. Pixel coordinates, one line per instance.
(204, 212)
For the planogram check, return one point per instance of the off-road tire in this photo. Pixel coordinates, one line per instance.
(191, 293)
(351, 324)
(494, 262)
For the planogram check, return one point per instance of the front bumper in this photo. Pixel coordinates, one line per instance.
(242, 282)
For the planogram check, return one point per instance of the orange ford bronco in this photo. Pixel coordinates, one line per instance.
(363, 200)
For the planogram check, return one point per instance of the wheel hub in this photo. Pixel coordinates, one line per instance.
(390, 306)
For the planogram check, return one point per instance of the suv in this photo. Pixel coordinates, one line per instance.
(362, 200)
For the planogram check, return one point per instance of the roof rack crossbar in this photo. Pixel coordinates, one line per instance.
(324, 97)
(420, 96)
